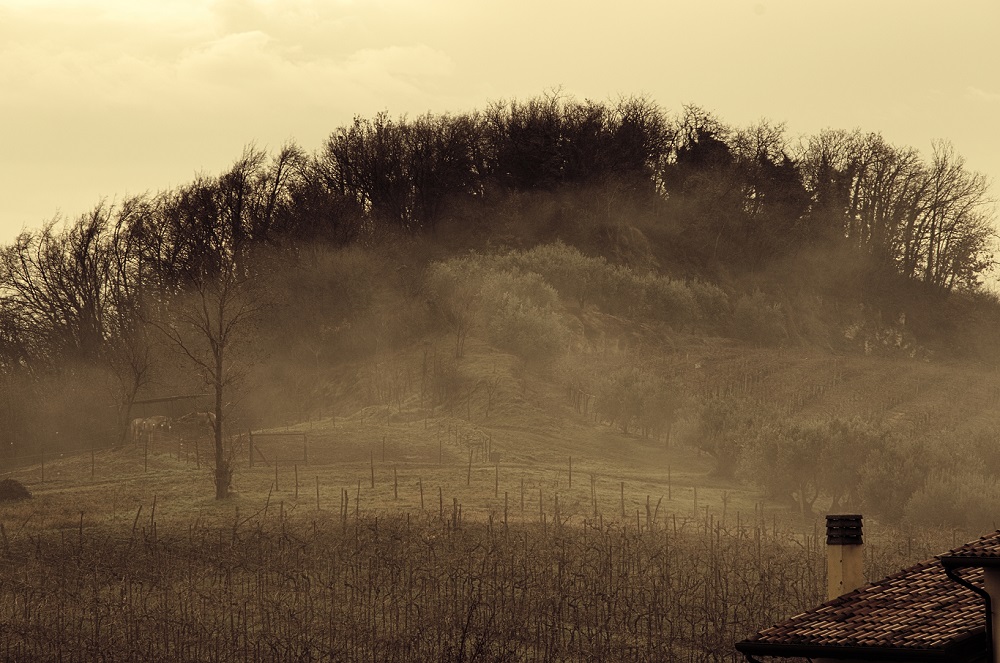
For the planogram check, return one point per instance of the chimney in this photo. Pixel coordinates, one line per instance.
(843, 554)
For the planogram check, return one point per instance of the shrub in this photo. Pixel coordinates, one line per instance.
(759, 321)
(12, 490)
(531, 332)
(890, 476)
(711, 303)
(520, 314)
(574, 275)
(670, 301)
(969, 502)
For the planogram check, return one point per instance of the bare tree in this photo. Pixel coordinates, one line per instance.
(128, 351)
(492, 386)
(212, 325)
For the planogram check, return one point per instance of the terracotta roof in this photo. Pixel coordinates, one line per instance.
(983, 552)
(918, 614)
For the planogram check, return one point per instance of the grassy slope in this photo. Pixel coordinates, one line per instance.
(535, 431)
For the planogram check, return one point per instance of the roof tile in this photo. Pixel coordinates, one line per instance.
(919, 608)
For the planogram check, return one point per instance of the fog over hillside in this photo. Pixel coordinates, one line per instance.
(639, 259)
(496, 372)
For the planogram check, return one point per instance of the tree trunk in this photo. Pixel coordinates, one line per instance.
(223, 472)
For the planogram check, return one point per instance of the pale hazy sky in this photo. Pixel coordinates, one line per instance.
(103, 98)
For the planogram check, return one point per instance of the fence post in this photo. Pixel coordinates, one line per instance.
(251, 448)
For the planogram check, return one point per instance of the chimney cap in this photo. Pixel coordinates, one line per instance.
(844, 530)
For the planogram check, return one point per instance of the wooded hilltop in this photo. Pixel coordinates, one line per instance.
(596, 242)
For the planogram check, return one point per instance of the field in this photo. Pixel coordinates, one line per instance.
(517, 530)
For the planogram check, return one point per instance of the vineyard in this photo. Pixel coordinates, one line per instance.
(281, 586)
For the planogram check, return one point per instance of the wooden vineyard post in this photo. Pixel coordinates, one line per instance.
(623, 500)
(43, 467)
(305, 449)
(296, 482)
(440, 503)
(496, 481)
(347, 506)
(570, 471)
(317, 492)
(593, 492)
(91, 464)
(395, 484)
(668, 483)
(420, 483)
(251, 449)
(276, 475)
(468, 478)
(371, 457)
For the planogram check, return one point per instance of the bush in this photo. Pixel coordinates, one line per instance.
(758, 321)
(12, 490)
(531, 332)
(636, 397)
(711, 302)
(890, 476)
(574, 275)
(669, 301)
(521, 317)
(968, 502)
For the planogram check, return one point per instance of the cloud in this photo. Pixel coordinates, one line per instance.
(232, 60)
(214, 58)
(982, 95)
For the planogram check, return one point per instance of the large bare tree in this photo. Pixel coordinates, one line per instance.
(213, 323)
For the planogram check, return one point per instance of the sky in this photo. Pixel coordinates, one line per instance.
(100, 99)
